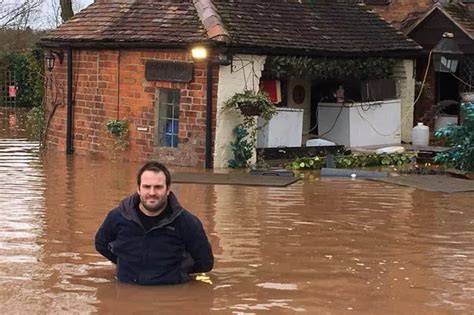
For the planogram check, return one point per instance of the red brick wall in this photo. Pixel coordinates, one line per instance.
(110, 84)
(398, 10)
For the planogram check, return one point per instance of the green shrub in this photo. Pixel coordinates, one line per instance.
(27, 69)
(241, 147)
(351, 161)
(461, 140)
(36, 121)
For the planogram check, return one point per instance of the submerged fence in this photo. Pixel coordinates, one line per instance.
(8, 87)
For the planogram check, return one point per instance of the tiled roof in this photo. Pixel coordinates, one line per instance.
(460, 14)
(463, 14)
(377, 2)
(300, 26)
(317, 26)
(167, 22)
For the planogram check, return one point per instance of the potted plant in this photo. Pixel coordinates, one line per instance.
(250, 104)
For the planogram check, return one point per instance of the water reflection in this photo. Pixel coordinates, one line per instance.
(22, 205)
(326, 246)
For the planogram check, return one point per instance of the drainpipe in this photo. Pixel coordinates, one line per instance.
(70, 109)
(208, 162)
(216, 32)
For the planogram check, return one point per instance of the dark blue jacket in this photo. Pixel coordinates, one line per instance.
(165, 254)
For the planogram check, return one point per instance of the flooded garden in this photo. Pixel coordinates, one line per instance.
(318, 246)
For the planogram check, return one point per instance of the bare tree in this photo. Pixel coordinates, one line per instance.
(51, 15)
(18, 14)
(52, 12)
(38, 14)
(66, 9)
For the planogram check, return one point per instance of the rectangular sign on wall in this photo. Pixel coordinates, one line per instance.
(170, 71)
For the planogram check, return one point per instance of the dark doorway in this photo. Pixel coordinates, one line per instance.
(448, 92)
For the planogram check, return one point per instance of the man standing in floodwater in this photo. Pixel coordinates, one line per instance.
(150, 237)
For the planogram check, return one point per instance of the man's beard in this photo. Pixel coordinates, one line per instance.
(155, 207)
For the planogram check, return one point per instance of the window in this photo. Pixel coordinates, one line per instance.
(167, 117)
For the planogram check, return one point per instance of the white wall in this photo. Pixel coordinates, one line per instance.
(245, 74)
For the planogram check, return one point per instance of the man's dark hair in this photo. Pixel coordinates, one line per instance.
(156, 167)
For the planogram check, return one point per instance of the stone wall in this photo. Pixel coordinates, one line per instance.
(110, 84)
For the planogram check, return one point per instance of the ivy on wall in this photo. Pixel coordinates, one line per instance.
(330, 68)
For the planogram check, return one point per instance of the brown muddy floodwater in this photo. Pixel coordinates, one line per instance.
(320, 246)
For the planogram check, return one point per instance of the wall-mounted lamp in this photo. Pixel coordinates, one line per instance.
(446, 54)
(49, 57)
(223, 60)
(200, 53)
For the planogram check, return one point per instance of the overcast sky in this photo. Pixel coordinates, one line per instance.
(50, 16)
(50, 10)
(85, 3)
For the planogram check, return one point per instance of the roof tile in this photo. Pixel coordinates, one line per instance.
(314, 26)
(310, 25)
(166, 22)
(463, 14)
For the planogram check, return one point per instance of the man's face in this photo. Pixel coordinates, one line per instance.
(153, 191)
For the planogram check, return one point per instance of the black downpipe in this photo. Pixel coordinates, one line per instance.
(70, 109)
(208, 162)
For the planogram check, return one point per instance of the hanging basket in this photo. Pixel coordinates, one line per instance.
(250, 109)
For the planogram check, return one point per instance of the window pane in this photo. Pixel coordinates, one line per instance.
(176, 111)
(167, 117)
(169, 111)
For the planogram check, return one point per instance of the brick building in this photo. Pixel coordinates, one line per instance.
(131, 60)
(401, 12)
(425, 21)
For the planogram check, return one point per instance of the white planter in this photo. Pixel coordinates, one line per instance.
(445, 120)
(467, 97)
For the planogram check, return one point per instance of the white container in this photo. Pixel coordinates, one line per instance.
(421, 135)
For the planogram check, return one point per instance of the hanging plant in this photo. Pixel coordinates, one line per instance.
(330, 68)
(250, 104)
